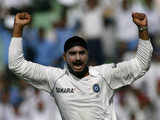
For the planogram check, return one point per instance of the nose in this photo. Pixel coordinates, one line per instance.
(77, 57)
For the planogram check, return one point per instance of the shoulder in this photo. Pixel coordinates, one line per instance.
(103, 66)
(54, 72)
(102, 69)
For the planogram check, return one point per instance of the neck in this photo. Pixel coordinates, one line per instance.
(81, 74)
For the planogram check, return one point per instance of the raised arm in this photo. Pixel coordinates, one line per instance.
(37, 75)
(126, 72)
(144, 52)
(21, 19)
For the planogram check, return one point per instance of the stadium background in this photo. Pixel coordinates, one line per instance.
(112, 37)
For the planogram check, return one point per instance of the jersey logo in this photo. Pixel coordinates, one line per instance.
(64, 90)
(96, 88)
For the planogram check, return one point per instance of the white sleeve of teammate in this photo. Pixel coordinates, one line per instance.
(41, 77)
(126, 72)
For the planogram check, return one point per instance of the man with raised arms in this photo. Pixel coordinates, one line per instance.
(81, 92)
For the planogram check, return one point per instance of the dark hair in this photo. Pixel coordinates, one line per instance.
(75, 41)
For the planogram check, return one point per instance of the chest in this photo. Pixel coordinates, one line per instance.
(69, 89)
(72, 95)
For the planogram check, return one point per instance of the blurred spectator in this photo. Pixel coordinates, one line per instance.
(17, 113)
(41, 5)
(127, 103)
(126, 31)
(46, 51)
(30, 42)
(134, 104)
(38, 48)
(157, 5)
(157, 98)
(68, 2)
(62, 32)
(5, 35)
(153, 18)
(43, 107)
(40, 113)
(108, 41)
(145, 110)
(5, 107)
(15, 3)
(92, 27)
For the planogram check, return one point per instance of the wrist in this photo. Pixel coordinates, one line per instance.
(17, 30)
(142, 28)
(143, 32)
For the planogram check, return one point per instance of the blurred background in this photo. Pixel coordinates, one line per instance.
(111, 35)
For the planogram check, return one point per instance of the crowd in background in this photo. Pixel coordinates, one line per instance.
(111, 35)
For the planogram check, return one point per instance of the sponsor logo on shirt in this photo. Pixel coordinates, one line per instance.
(96, 88)
(64, 90)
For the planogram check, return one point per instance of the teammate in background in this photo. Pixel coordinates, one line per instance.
(81, 92)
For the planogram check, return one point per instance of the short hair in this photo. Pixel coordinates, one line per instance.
(75, 41)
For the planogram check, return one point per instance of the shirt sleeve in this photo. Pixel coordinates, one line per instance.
(41, 77)
(127, 72)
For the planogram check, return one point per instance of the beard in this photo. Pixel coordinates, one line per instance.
(78, 74)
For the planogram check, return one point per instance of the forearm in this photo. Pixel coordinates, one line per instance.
(17, 30)
(145, 49)
(144, 53)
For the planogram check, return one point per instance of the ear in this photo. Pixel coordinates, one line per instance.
(64, 56)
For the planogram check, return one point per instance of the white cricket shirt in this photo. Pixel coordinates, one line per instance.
(89, 98)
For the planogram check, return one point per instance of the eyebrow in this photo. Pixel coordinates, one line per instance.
(82, 51)
(73, 52)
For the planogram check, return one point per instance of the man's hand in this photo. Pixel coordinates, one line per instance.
(140, 19)
(21, 19)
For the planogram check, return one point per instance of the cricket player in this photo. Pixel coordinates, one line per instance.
(81, 92)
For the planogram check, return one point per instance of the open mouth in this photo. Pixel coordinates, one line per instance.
(78, 67)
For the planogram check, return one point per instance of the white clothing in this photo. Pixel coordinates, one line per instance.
(6, 111)
(125, 30)
(92, 23)
(89, 98)
(15, 3)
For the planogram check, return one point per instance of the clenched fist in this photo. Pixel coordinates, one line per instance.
(20, 21)
(22, 18)
(140, 19)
